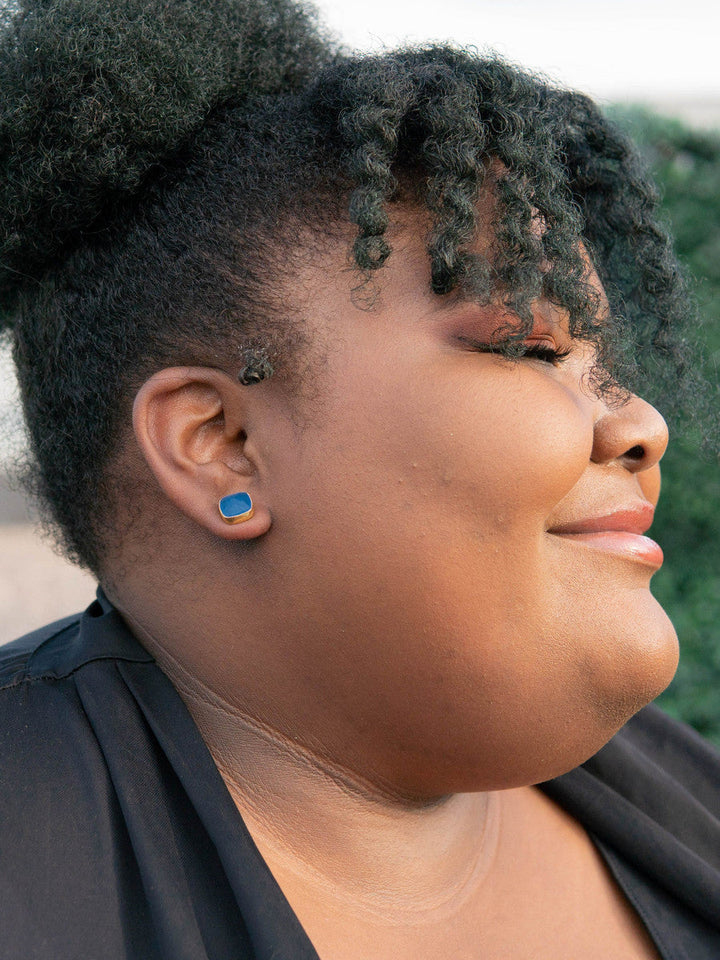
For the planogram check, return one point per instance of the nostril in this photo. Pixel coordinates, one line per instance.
(636, 453)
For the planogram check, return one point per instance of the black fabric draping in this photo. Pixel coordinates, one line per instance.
(120, 841)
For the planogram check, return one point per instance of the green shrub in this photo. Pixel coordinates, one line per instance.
(686, 164)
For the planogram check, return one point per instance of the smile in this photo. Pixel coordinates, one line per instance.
(621, 532)
(634, 546)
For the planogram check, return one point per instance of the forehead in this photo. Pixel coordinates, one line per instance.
(324, 271)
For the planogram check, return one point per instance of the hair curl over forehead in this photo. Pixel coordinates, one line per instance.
(143, 223)
(565, 180)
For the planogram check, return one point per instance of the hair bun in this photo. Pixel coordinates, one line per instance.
(94, 94)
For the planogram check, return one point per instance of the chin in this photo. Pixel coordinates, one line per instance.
(627, 652)
(563, 718)
(642, 673)
(647, 665)
(566, 737)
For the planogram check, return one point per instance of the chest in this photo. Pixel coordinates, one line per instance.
(544, 929)
(547, 893)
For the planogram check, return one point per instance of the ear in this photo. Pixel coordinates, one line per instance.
(191, 424)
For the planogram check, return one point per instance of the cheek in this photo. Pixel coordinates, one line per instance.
(519, 446)
(429, 511)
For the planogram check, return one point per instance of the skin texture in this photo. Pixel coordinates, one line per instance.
(396, 634)
(157, 165)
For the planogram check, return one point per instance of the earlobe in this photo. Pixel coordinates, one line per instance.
(190, 426)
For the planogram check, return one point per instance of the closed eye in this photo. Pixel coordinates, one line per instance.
(543, 351)
(520, 351)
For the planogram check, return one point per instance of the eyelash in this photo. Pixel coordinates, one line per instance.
(535, 351)
(541, 351)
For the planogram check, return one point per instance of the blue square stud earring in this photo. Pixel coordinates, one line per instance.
(236, 508)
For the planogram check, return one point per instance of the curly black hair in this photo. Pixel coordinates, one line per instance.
(157, 158)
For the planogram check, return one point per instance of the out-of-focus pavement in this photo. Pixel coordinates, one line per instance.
(36, 585)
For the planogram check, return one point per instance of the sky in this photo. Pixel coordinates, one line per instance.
(620, 49)
(644, 50)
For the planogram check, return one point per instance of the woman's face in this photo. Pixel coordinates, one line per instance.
(464, 540)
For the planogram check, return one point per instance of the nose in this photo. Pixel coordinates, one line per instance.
(632, 433)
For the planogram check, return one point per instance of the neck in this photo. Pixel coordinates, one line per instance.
(327, 828)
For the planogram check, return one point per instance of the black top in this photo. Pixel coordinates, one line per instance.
(119, 839)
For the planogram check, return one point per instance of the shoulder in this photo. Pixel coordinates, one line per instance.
(656, 759)
(62, 835)
(18, 659)
(45, 731)
(51, 756)
(656, 775)
(651, 801)
(59, 649)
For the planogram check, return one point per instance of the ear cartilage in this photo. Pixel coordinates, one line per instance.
(236, 508)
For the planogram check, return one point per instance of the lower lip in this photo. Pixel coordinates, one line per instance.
(633, 546)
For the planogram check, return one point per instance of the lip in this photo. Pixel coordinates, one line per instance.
(620, 532)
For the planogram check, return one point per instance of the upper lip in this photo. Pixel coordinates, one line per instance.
(634, 519)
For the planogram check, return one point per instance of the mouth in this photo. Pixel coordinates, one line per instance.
(621, 532)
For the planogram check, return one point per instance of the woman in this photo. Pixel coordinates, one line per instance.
(366, 495)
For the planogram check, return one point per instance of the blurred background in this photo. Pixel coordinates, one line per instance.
(653, 64)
